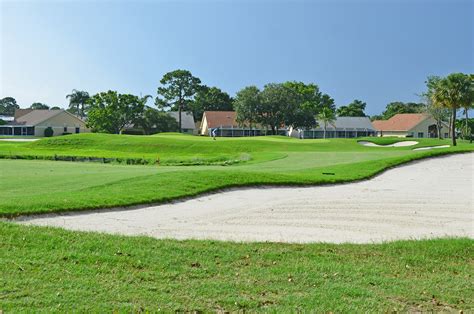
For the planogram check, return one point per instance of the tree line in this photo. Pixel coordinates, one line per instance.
(289, 103)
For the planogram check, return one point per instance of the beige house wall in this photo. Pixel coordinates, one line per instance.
(59, 122)
(204, 129)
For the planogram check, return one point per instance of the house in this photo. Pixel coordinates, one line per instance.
(227, 126)
(410, 125)
(187, 121)
(342, 127)
(34, 122)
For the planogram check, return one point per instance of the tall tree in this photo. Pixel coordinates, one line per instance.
(110, 111)
(179, 88)
(308, 102)
(210, 99)
(354, 109)
(78, 102)
(394, 108)
(436, 110)
(246, 104)
(453, 92)
(278, 103)
(326, 116)
(8, 106)
(39, 106)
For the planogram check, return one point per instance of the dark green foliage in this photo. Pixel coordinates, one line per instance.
(8, 106)
(291, 103)
(210, 99)
(39, 106)
(399, 107)
(153, 121)
(354, 109)
(48, 132)
(110, 112)
(177, 91)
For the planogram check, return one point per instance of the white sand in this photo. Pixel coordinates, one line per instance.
(19, 139)
(430, 198)
(397, 144)
(431, 147)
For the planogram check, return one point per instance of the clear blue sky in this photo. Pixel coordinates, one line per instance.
(376, 51)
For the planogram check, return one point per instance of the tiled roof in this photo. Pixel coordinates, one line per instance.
(221, 118)
(400, 122)
(37, 116)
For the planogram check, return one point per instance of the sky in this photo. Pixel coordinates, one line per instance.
(375, 51)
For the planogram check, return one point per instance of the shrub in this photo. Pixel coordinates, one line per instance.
(67, 133)
(48, 132)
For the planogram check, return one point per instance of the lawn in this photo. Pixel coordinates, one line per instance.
(52, 270)
(40, 186)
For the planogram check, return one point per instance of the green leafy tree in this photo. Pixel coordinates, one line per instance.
(210, 99)
(39, 106)
(247, 103)
(436, 110)
(177, 92)
(8, 106)
(326, 116)
(110, 112)
(308, 102)
(55, 108)
(154, 121)
(394, 108)
(354, 109)
(278, 103)
(78, 101)
(453, 92)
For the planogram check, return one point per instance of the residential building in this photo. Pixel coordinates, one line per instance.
(417, 125)
(34, 122)
(342, 127)
(227, 126)
(187, 121)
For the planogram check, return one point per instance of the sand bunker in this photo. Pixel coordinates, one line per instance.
(431, 147)
(430, 198)
(19, 139)
(397, 144)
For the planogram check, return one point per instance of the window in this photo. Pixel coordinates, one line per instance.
(446, 135)
(420, 134)
(65, 129)
(77, 129)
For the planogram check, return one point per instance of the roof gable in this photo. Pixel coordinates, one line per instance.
(187, 119)
(400, 122)
(220, 119)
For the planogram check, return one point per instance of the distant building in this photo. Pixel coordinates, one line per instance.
(342, 127)
(33, 123)
(417, 125)
(227, 126)
(187, 121)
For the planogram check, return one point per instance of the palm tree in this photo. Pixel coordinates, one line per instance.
(453, 92)
(327, 116)
(77, 102)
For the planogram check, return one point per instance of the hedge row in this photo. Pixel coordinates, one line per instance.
(128, 161)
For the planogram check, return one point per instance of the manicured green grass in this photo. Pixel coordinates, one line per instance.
(33, 186)
(52, 270)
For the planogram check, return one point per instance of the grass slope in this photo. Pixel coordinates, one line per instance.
(53, 270)
(32, 186)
